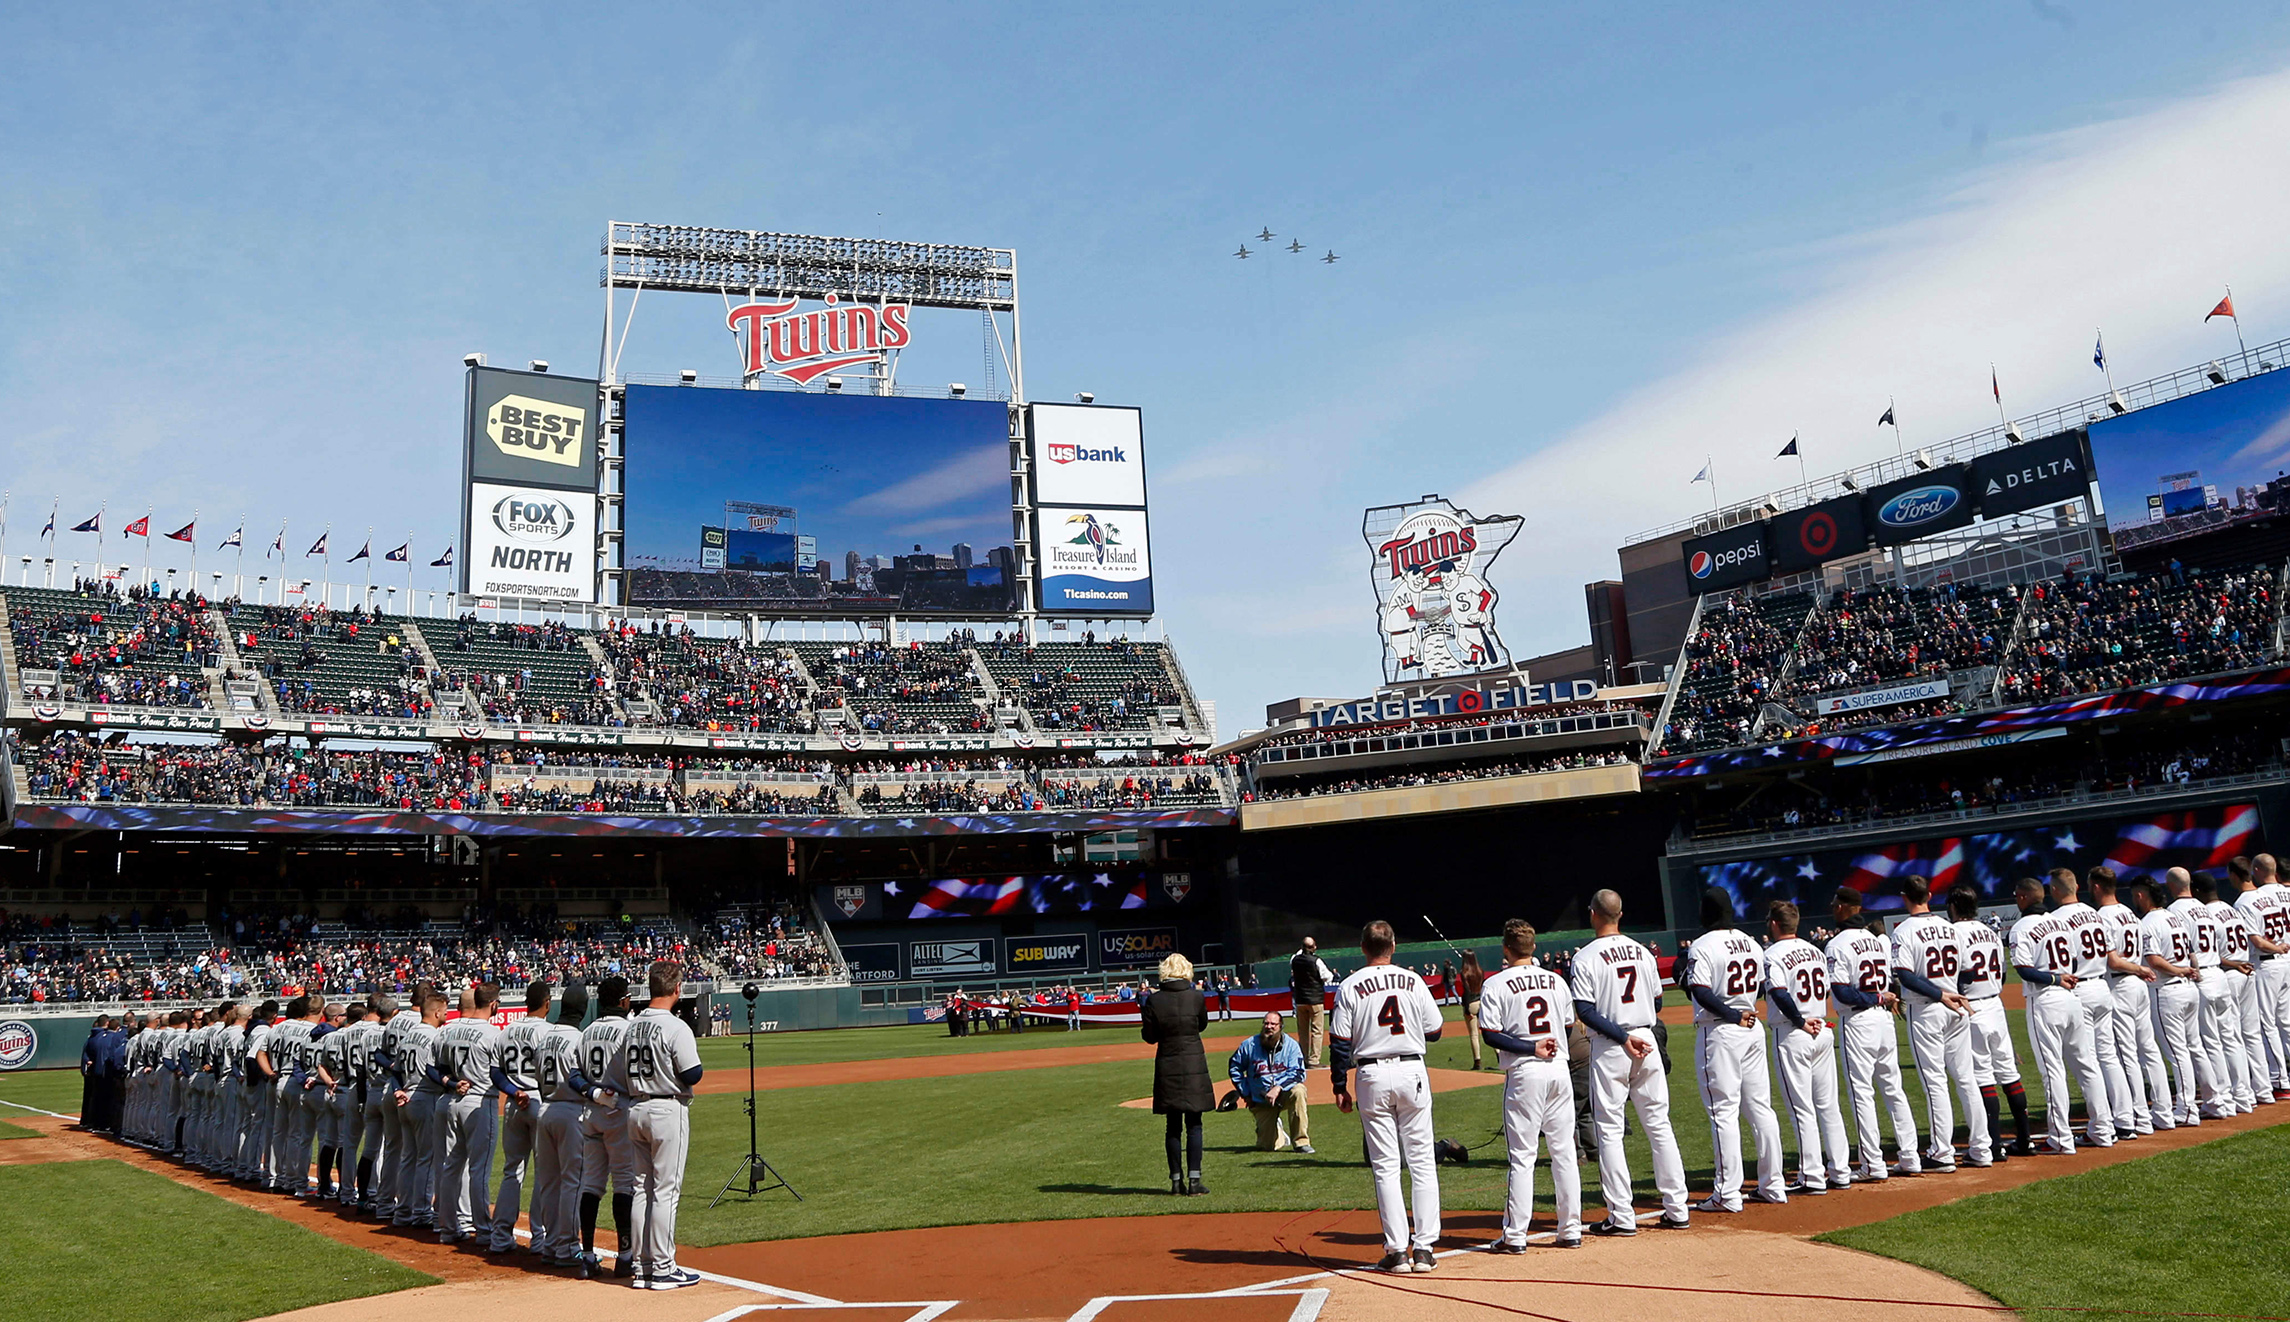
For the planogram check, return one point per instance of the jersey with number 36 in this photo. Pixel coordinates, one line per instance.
(1384, 1010)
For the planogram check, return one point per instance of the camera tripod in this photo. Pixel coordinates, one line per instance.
(761, 1177)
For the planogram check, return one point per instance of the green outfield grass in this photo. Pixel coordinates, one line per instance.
(99, 1239)
(904, 1040)
(49, 1090)
(8, 1131)
(2197, 1231)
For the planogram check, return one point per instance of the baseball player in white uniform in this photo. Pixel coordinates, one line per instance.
(2265, 905)
(1617, 996)
(468, 1054)
(2167, 946)
(1524, 1014)
(1383, 1018)
(557, 1140)
(1980, 979)
(1860, 980)
(2221, 1038)
(1725, 976)
(2238, 955)
(2130, 982)
(2094, 955)
(1927, 961)
(2047, 949)
(654, 1071)
(521, 1107)
(1805, 1053)
(604, 1150)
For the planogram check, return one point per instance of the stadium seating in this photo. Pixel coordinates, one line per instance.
(2091, 635)
(107, 647)
(1733, 664)
(323, 662)
(899, 690)
(1880, 635)
(693, 683)
(527, 674)
(1409, 777)
(1086, 686)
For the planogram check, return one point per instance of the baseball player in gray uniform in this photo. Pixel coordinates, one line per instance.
(253, 1164)
(397, 1138)
(1383, 1019)
(654, 1072)
(521, 1107)
(224, 1064)
(604, 1150)
(369, 1093)
(1724, 974)
(557, 1141)
(1524, 1014)
(330, 1062)
(468, 1053)
(283, 1054)
(1617, 996)
(1805, 1052)
(420, 1096)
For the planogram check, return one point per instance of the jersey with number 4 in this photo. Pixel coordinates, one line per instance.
(1529, 1003)
(1620, 980)
(1980, 962)
(1926, 944)
(1792, 965)
(1384, 1010)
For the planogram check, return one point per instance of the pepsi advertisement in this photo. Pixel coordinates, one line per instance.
(1921, 505)
(1831, 530)
(1727, 559)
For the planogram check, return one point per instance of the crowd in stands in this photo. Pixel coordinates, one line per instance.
(2087, 634)
(1733, 663)
(84, 768)
(1409, 777)
(1129, 792)
(1882, 635)
(697, 683)
(741, 950)
(136, 647)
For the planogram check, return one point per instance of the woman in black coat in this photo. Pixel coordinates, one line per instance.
(1173, 1019)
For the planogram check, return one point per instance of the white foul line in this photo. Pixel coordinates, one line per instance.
(924, 1312)
(1308, 1302)
(36, 1110)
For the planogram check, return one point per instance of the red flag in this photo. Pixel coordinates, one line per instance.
(140, 528)
(182, 534)
(2225, 308)
(1994, 386)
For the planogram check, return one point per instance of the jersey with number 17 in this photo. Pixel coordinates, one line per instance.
(1384, 1010)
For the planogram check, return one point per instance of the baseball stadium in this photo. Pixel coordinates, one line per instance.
(766, 844)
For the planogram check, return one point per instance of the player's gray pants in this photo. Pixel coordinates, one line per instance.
(557, 1179)
(2140, 1054)
(465, 1162)
(256, 1102)
(349, 1122)
(417, 1189)
(519, 1125)
(285, 1118)
(604, 1150)
(660, 1132)
(391, 1196)
(223, 1140)
(373, 1121)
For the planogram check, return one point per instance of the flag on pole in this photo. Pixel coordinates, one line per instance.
(279, 546)
(1886, 420)
(399, 555)
(1702, 476)
(237, 539)
(1789, 449)
(140, 528)
(184, 533)
(1995, 387)
(2099, 352)
(94, 525)
(444, 561)
(318, 547)
(49, 532)
(363, 552)
(2225, 308)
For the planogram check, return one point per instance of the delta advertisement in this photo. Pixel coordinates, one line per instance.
(1094, 561)
(885, 504)
(2197, 463)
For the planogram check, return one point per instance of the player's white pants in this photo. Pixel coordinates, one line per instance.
(2061, 1037)
(1941, 1040)
(2178, 1031)
(2222, 1042)
(2250, 1016)
(519, 1125)
(1394, 1100)
(660, 1133)
(1730, 1066)
(557, 1180)
(1872, 1070)
(1807, 1064)
(2139, 1054)
(2098, 1002)
(465, 1162)
(1538, 1104)
(1994, 1062)
(2274, 989)
(1616, 1080)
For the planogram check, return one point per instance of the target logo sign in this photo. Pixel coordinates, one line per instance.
(1818, 535)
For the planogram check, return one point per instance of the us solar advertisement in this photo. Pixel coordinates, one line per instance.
(777, 500)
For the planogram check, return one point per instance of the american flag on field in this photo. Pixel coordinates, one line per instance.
(2194, 839)
(1878, 875)
(970, 897)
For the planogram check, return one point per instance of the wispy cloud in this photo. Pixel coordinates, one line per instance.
(972, 473)
(2133, 224)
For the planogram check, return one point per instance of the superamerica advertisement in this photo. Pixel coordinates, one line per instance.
(2136, 846)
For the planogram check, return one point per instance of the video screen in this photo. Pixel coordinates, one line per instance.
(766, 500)
(2196, 464)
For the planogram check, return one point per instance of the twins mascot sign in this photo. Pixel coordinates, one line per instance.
(1434, 605)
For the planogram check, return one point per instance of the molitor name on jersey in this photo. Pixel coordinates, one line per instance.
(804, 345)
(536, 429)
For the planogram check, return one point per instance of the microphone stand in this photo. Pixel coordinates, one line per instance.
(759, 1174)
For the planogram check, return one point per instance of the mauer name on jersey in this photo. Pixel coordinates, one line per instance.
(1621, 954)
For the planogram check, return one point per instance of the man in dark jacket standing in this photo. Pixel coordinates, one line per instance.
(1308, 981)
(91, 1067)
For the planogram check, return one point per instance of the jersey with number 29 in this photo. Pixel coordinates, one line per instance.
(1384, 1010)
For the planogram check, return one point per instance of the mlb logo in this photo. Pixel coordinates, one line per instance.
(850, 899)
(1063, 454)
(1177, 885)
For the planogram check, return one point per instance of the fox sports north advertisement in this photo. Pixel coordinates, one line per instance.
(784, 501)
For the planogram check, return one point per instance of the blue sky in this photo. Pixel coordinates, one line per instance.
(243, 251)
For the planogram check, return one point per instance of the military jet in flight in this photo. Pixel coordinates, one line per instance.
(1243, 253)
(1296, 245)
(1331, 257)
(1265, 236)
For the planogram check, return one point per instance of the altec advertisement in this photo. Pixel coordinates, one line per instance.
(802, 346)
(1434, 605)
(1094, 561)
(1087, 454)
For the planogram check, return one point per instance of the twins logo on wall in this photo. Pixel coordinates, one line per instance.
(1434, 605)
(803, 346)
(18, 1044)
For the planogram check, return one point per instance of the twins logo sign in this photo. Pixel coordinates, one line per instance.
(18, 1044)
(802, 346)
(1435, 607)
